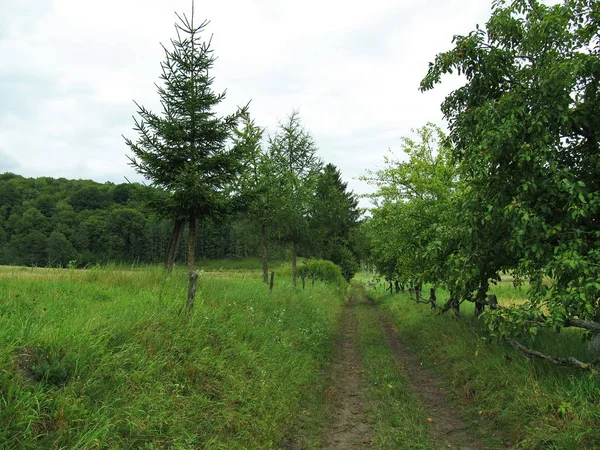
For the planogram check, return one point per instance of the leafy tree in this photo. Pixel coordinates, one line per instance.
(127, 225)
(293, 153)
(182, 150)
(89, 197)
(526, 129)
(414, 225)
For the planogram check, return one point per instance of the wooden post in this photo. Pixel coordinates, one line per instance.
(303, 281)
(294, 264)
(272, 280)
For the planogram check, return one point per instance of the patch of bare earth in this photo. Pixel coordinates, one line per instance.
(349, 428)
(448, 430)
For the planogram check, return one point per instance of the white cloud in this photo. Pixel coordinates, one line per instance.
(351, 68)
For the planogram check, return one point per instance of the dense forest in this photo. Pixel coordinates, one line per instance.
(58, 222)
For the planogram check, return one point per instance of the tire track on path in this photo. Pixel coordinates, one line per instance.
(349, 428)
(447, 428)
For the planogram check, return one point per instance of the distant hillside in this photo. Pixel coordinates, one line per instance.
(52, 222)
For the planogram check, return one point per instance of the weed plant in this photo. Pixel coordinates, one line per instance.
(103, 358)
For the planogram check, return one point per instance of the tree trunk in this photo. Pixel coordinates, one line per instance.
(294, 268)
(272, 281)
(455, 307)
(173, 244)
(189, 306)
(263, 249)
(192, 245)
(480, 299)
(432, 298)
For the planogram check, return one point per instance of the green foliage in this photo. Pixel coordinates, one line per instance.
(59, 250)
(334, 216)
(528, 404)
(182, 150)
(296, 166)
(414, 227)
(321, 270)
(123, 232)
(526, 129)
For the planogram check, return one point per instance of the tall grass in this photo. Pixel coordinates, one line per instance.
(103, 358)
(529, 403)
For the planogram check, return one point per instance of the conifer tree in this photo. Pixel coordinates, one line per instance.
(183, 149)
(294, 155)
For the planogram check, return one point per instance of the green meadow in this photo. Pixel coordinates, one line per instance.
(103, 358)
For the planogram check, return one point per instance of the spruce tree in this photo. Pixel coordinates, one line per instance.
(183, 149)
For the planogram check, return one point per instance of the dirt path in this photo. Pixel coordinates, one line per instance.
(349, 428)
(448, 429)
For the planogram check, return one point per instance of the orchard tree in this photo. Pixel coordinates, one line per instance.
(183, 150)
(526, 130)
(414, 225)
(296, 165)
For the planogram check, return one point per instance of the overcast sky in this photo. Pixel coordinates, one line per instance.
(70, 70)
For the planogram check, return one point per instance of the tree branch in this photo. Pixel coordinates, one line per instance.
(585, 324)
(558, 360)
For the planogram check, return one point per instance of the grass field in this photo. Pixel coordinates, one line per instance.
(102, 358)
(529, 402)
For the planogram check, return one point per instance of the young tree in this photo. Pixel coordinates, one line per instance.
(526, 129)
(183, 149)
(258, 185)
(293, 153)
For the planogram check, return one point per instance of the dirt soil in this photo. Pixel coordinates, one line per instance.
(350, 428)
(447, 428)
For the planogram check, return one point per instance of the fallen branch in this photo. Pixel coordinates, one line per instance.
(558, 360)
(585, 324)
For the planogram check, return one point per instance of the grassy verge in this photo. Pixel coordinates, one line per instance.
(398, 420)
(102, 359)
(533, 404)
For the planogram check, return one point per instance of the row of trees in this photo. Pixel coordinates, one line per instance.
(515, 188)
(183, 151)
